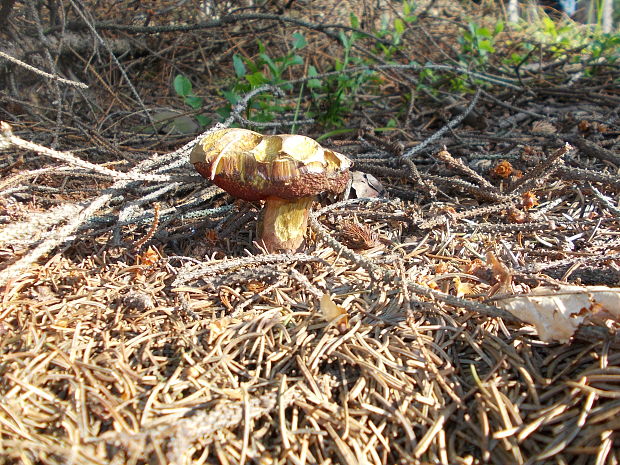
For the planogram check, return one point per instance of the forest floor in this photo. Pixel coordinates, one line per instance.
(139, 323)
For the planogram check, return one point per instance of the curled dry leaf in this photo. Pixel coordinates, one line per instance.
(149, 257)
(516, 216)
(502, 275)
(219, 326)
(558, 312)
(544, 127)
(584, 125)
(529, 200)
(502, 170)
(358, 235)
(365, 185)
(334, 314)
(139, 301)
(460, 288)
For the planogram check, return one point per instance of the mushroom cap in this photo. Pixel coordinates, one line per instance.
(251, 166)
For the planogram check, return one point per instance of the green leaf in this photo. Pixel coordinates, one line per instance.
(313, 83)
(499, 27)
(299, 41)
(184, 125)
(182, 85)
(399, 26)
(273, 108)
(239, 66)
(223, 112)
(355, 22)
(346, 41)
(484, 32)
(256, 79)
(263, 118)
(203, 120)
(549, 26)
(270, 64)
(514, 59)
(485, 45)
(335, 132)
(231, 96)
(253, 66)
(294, 60)
(193, 101)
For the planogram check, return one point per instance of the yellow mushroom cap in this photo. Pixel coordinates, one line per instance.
(252, 166)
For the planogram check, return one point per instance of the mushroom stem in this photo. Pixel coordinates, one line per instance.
(282, 224)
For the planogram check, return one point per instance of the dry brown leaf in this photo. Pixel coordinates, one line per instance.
(219, 326)
(365, 185)
(334, 314)
(558, 312)
(544, 127)
(461, 288)
(502, 273)
(529, 200)
(502, 170)
(516, 216)
(149, 257)
(358, 235)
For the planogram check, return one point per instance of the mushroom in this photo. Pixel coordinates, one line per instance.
(285, 171)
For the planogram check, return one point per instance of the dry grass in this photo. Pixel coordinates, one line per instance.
(141, 340)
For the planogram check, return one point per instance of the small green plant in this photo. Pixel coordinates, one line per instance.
(607, 46)
(477, 43)
(334, 97)
(561, 39)
(428, 81)
(327, 99)
(188, 122)
(183, 88)
(265, 69)
(477, 46)
(395, 30)
(331, 98)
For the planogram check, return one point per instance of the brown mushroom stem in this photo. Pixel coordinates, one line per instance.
(283, 223)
